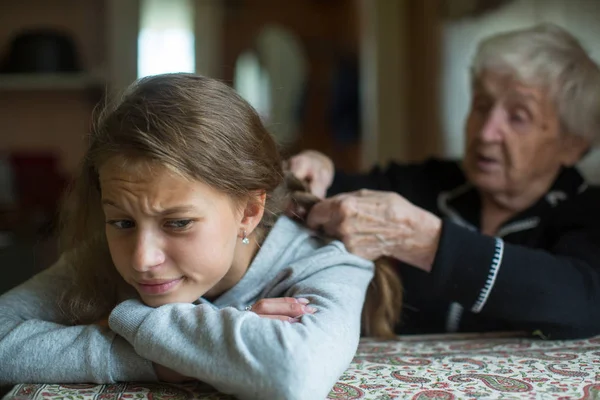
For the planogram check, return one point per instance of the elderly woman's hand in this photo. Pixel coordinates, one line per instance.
(373, 224)
(314, 168)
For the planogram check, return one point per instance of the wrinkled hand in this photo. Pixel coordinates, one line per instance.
(314, 168)
(165, 374)
(373, 224)
(288, 309)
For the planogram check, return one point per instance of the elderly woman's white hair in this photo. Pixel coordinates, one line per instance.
(551, 58)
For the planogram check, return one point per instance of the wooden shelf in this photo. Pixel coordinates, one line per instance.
(58, 81)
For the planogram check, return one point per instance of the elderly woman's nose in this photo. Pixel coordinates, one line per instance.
(493, 126)
(147, 252)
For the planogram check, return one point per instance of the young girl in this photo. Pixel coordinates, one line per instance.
(172, 232)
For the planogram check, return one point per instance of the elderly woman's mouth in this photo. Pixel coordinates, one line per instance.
(486, 163)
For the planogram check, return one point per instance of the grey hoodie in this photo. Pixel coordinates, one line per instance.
(219, 343)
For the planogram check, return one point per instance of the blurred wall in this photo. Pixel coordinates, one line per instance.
(400, 68)
(51, 119)
(384, 81)
(44, 116)
(325, 31)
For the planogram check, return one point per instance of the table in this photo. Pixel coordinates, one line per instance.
(442, 367)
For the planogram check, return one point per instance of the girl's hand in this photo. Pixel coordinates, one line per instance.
(288, 309)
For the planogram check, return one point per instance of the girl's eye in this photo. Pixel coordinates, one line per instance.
(179, 224)
(121, 223)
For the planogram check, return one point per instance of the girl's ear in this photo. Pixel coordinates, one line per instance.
(253, 211)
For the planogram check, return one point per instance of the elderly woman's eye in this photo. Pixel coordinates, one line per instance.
(179, 223)
(121, 223)
(516, 118)
(519, 117)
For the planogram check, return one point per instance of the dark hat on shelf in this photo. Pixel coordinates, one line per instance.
(42, 50)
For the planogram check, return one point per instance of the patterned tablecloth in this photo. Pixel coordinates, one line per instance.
(424, 367)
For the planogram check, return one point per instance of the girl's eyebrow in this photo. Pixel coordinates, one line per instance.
(178, 210)
(168, 211)
(107, 202)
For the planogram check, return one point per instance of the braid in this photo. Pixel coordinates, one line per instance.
(381, 311)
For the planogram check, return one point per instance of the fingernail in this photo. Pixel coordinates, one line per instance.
(310, 309)
(302, 300)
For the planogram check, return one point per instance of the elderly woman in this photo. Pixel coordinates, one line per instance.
(508, 239)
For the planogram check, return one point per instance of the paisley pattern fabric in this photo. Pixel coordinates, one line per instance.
(440, 367)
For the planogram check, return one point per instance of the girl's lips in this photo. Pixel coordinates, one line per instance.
(160, 287)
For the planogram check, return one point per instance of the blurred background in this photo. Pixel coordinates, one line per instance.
(364, 81)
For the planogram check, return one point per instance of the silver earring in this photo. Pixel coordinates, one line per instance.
(245, 239)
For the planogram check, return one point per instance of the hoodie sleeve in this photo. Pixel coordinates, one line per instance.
(239, 353)
(36, 345)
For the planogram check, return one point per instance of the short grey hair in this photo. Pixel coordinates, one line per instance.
(550, 57)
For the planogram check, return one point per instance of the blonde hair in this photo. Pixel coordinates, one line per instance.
(195, 126)
(549, 57)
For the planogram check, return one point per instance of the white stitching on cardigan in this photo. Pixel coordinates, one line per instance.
(453, 319)
(442, 202)
(518, 226)
(489, 284)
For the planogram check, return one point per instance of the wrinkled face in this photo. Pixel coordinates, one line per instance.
(513, 139)
(171, 238)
